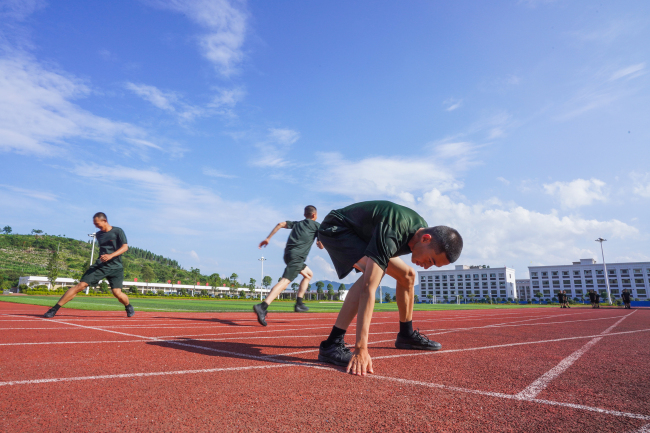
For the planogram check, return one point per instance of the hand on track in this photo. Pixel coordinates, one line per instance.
(360, 364)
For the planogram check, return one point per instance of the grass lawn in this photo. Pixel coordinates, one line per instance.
(108, 303)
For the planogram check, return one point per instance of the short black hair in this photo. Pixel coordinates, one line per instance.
(310, 211)
(448, 240)
(100, 215)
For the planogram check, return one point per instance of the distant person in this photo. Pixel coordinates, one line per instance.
(296, 251)
(560, 299)
(626, 298)
(566, 299)
(112, 244)
(597, 300)
(592, 298)
(369, 237)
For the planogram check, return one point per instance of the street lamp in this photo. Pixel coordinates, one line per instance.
(609, 295)
(92, 255)
(262, 279)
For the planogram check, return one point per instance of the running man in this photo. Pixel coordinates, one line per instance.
(112, 244)
(560, 298)
(369, 237)
(592, 298)
(626, 298)
(299, 243)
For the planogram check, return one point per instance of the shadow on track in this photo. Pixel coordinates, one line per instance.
(237, 350)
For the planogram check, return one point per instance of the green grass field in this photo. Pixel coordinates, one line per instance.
(109, 303)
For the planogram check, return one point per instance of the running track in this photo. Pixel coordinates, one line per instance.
(500, 370)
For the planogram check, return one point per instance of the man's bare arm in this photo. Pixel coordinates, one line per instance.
(106, 257)
(279, 226)
(361, 363)
(319, 245)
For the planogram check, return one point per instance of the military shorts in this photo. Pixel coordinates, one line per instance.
(98, 272)
(343, 245)
(295, 265)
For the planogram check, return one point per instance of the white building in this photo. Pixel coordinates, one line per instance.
(167, 288)
(576, 279)
(468, 280)
(523, 290)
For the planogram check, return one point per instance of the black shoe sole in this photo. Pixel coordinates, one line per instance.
(296, 310)
(404, 346)
(130, 313)
(322, 358)
(47, 316)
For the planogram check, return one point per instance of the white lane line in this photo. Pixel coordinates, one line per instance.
(130, 375)
(643, 429)
(70, 342)
(510, 397)
(533, 390)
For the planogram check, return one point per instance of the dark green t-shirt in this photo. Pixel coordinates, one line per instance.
(109, 242)
(301, 237)
(386, 226)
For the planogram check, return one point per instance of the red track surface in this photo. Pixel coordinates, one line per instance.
(509, 370)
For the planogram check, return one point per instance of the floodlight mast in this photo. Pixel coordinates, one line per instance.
(92, 255)
(262, 260)
(609, 294)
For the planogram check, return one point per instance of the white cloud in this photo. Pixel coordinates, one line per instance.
(216, 173)
(154, 95)
(579, 192)
(37, 115)
(641, 185)
(498, 234)
(632, 71)
(178, 207)
(452, 104)
(503, 180)
(226, 26)
(194, 255)
(19, 9)
(272, 151)
(39, 195)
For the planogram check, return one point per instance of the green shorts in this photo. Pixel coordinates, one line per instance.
(96, 273)
(295, 265)
(343, 245)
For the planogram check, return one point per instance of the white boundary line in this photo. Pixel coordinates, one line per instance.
(533, 390)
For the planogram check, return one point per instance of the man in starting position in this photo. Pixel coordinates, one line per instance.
(369, 237)
(112, 244)
(299, 243)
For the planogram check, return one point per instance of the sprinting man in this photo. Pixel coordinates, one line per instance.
(626, 298)
(112, 244)
(369, 237)
(299, 243)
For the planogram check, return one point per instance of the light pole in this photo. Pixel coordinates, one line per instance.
(92, 255)
(262, 260)
(609, 295)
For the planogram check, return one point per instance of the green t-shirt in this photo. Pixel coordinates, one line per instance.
(386, 226)
(109, 242)
(301, 237)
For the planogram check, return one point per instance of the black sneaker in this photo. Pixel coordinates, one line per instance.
(416, 341)
(300, 308)
(336, 353)
(261, 314)
(129, 310)
(50, 313)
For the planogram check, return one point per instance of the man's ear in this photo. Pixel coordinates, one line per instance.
(426, 238)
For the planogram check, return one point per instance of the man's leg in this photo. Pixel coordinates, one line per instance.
(121, 296)
(350, 306)
(67, 297)
(260, 309)
(307, 275)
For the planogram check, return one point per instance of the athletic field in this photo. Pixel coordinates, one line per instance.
(520, 370)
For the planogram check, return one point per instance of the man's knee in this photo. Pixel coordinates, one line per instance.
(117, 292)
(407, 279)
(79, 287)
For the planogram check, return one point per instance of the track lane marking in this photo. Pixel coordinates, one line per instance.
(540, 384)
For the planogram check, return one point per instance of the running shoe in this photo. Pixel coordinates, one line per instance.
(261, 314)
(129, 310)
(300, 308)
(416, 341)
(337, 353)
(50, 313)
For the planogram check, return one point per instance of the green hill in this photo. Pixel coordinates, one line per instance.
(22, 255)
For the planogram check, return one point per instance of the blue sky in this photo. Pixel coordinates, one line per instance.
(197, 125)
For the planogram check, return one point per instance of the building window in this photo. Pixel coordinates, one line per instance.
(444, 278)
(565, 273)
(626, 282)
(599, 272)
(576, 273)
(638, 273)
(566, 282)
(533, 274)
(483, 276)
(587, 272)
(501, 275)
(544, 274)
(476, 276)
(554, 273)
(493, 284)
(638, 282)
(611, 271)
(467, 277)
(437, 277)
(577, 283)
(437, 285)
(625, 272)
(613, 282)
(484, 283)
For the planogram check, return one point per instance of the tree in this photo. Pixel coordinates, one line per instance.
(252, 282)
(460, 298)
(309, 291)
(53, 268)
(103, 286)
(330, 291)
(471, 297)
(539, 295)
(341, 290)
(6, 230)
(36, 232)
(242, 294)
(430, 297)
(416, 299)
(266, 281)
(295, 286)
(387, 298)
(147, 273)
(233, 278)
(319, 289)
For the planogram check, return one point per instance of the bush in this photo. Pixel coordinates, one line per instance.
(133, 289)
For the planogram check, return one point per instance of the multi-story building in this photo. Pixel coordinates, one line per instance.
(523, 290)
(469, 281)
(576, 279)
